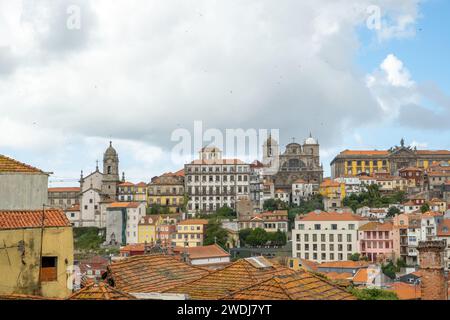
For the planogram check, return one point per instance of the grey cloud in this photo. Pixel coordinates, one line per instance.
(8, 62)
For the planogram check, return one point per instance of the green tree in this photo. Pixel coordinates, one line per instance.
(425, 208)
(243, 234)
(277, 238)
(257, 237)
(275, 204)
(215, 233)
(393, 211)
(373, 294)
(389, 269)
(355, 257)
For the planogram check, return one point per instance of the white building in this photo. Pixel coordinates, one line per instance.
(326, 236)
(213, 182)
(372, 213)
(352, 184)
(122, 222)
(301, 191)
(429, 225)
(282, 196)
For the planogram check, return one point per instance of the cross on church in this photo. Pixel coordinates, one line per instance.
(293, 139)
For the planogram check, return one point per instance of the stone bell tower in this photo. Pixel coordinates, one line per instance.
(110, 173)
(431, 261)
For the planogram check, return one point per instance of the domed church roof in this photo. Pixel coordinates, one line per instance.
(110, 151)
(310, 140)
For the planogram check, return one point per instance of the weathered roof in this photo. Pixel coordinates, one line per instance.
(236, 276)
(10, 165)
(20, 219)
(193, 221)
(405, 291)
(377, 226)
(100, 291)
(124, 205)
(330, 216)
(296, 286)
(444, 228)
(152, 273)
(202, 252)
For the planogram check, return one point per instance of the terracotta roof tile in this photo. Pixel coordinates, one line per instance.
(405, 291)
(377, 226)
(124, 205)
(236, 276)
(193, 221)
(211, 251)
(10, 165)
(151, 273)
(330, 216)
(100, 291)
(365, 152)
(296, 286)
(32, 219)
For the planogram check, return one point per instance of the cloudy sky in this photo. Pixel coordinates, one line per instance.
(75, 74)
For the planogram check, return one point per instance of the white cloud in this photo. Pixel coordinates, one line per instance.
(254, 64)
(397, 74)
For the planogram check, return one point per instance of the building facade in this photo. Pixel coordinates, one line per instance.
(213, 182)
(354, 162)
(296, 162)
(36, 260)
(63, 197)
(326, 236)
(190, 233)
(167, 191)
(22, 186)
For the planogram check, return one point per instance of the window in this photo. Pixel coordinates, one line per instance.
(351, 227)
(339, 237)
(317, 227)
(349, 238)
(314, 237)
(301, 227)
(49, 269)
(322, 237)
(334, 227)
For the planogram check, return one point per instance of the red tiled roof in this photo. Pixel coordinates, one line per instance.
(330, 216)
(234, 277)
(193, 221)
(365, 152)
(100, 291)
(124, 205)
(434, 152)
(295, 286)
(405, 291)
(377, 226)
(126, 184)
(202, 252)
(32, 219)
(10, 165)
(64, 189)
(151, 273)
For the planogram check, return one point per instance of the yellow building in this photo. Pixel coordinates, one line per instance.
(190, 233)
(128, 192)
(152, 228)
(29, 265)
(355, 162)
(167, 191)
(332, 190)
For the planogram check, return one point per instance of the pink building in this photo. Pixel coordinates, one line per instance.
(376, 241)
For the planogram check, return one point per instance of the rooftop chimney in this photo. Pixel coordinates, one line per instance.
(431, 260)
